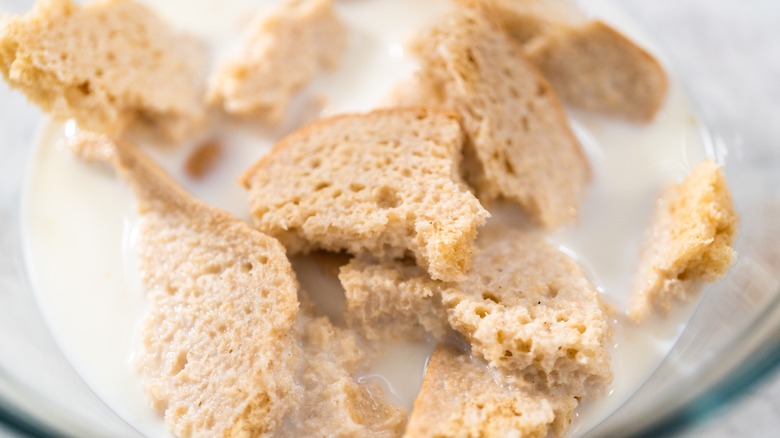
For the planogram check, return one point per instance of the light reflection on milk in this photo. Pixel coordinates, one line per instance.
(79, 221)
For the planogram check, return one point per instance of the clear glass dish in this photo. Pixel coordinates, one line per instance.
(726, 54)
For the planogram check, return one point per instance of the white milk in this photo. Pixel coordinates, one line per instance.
(79, 229)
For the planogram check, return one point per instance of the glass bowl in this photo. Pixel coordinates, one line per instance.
(726, 53)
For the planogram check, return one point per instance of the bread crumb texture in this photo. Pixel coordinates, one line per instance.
(109, 65)
(218, 357)
(279, 54)
(524, 306)
(689, 242)
(384, 183)
(520, 146)
(392, 300)
(461, 397)
(528, 307)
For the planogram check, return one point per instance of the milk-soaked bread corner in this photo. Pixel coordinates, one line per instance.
(524, 306)
(591, 65)
(520, 145)
(689, 242)
(392, 300)
(463, 397)
(279, 54)
(110, 64)
(384, 182)
(594, 67)
(336, 401)
(218, 354)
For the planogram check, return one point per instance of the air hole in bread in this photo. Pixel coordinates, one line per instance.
(490, 296)
(247, 267)
(508, 165)
(215, 268)
(387, 198)
(179, 363)
(524, 347)
(85, 88)
(356, 187)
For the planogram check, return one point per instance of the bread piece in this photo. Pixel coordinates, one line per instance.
(596, 68)
(384, 182)
(279, 54)
(218, 354)
(527, 307)
(688, 243)
(520, 144)
(110, 65)
(335, 403)
(461, 397)
(524, 306)
(392, 300)
(526, 20)
(591, 65)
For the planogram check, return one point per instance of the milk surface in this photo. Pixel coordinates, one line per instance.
(79, 225)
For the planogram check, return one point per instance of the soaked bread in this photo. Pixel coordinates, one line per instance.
(689, 242)
(527, 307)
(524, 307)
(461, 397)
(520, 146)
(591, 65)
(110, 65)
(384, 183)
(392, 300)
(218, 354)
(596, 68)
(279, 55)
(335, 402)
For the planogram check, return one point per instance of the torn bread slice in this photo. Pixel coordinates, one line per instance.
(392, 300)
(218, 354)
(591, 65)
(280, 54)
(689, 242)
(520, 144)
(461, 397)
(384, 182)
(524, 306)
(596, 68)
(529, 308)
(110, 65)
(526, 20)
(336, 402)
